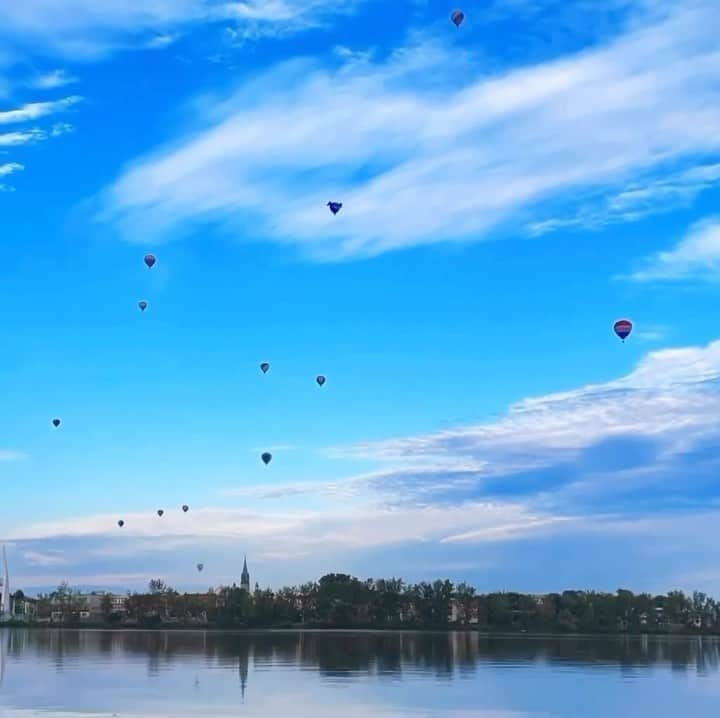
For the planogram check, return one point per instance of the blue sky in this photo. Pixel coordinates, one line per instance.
(510, 187)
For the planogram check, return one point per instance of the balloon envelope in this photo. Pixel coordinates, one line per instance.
(457, 17)
(267, 458)
(56, 423)
(160, 512)
(335, 207)
(121, 523)
(623, 327)
(143, 305)
(150, 260)
(265, 366)
(185, 508)
(320, 380)
(200, 566)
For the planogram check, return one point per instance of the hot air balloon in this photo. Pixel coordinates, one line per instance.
(56, 423)
(267, 458)
(265, 367)
(185, 508)
(143, 305)
(150, 260)
(121, 523)
(160, 512)
(457, 17)
(623, 327)
(320, 380)
(200, 566)
(335, 207)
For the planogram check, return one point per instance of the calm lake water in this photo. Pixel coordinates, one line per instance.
(53, 674)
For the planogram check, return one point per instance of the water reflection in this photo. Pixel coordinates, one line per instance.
(348, 653)
(40, 668)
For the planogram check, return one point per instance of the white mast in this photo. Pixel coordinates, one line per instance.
(6, 609)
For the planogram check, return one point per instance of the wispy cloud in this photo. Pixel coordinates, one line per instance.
(651, 333)
(24, 137)
(54, 79)
(697, 255)
(637, 201)
(36, 110)
(426, 147)
(85, 29)
(579, 450)
(61, 128)
(46, 558)
(10, 167)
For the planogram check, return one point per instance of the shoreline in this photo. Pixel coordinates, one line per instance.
(247, 630)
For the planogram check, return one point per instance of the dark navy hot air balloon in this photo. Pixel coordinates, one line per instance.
(121, 523)
(267, 458)
(265, 367)
(150, 260)
(200, 566)
(320, 380)
(56, 423)
(185, 508)
(335, 207)
(623, 327)
(457, 17)
(160, 512)
(143, 305)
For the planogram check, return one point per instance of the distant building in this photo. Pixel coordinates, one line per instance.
(91, 607)
(245, 576)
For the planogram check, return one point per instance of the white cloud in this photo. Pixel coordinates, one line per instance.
(61, 128)
(36, 110)
(696, 255)
(425, 147)
(47, 558)
(672, 397)
(638, 200)
(86, 29)
(338, 526)
(160, 41)
(10, 167)
(12, 139)
(53, 79)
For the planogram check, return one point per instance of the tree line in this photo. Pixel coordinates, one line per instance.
(343, 601)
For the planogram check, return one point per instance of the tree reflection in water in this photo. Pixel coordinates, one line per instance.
(344, 654)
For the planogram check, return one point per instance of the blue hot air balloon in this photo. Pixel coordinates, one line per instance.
(335, 207)
(457, 17)
(267, 458)
(623, 327)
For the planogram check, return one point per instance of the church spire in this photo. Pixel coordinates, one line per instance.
(245, 576)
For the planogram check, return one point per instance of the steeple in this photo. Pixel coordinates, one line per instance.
(245, 576)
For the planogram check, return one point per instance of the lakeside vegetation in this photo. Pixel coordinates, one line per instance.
(343, 601)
